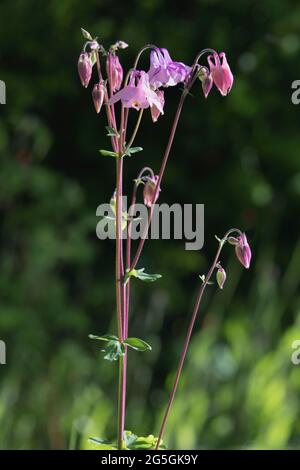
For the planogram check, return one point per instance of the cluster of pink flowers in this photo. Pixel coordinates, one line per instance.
(145, 89)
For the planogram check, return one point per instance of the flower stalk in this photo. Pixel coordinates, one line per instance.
(204, 283)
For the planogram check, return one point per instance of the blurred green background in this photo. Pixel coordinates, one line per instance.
(238, 155)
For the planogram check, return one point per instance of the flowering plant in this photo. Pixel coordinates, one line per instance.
(118, 95)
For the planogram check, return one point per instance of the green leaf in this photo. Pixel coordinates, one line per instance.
(137, 344)
(147, 443)
(104, 337)
(111, 132)
(86, 34)
(108, 153)
(133, 150)
(102, 444)
(140, 274)
(202, 277)
(129, 438)
(130, 442)
(114, 350)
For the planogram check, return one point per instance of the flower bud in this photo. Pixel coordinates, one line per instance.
(221, 276)
(121, 45)
(114, 72)
(85, 68)
(243, 251)
(206, 80)
(149, 190)
(98, 96)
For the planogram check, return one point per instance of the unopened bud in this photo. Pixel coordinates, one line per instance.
(98, 95)
(85, 68)
(114, 72)
(206, 80)
(243, 250)
(221, 276)
(149, 191)
(121, 45)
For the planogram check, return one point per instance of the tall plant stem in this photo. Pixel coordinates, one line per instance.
(120, 303)
(189, 333)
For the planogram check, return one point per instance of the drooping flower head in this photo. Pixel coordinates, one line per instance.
(242, 249)
(149, 190)
(85, 68)
(138, 94)
(164, 71)
(206, 80)
(98, 95)
(114, 71)
(220, 72)
(221, 276)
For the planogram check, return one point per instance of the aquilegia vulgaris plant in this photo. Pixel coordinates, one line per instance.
(122, 96)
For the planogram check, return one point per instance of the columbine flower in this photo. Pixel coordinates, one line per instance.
(114, 72)
(206, 80)
(155, 112)
(242, 249)
(138, 93)
(220, 72)
(149, 190)
(98, 95)
(85, 68)
(164, 71)
(221, 276)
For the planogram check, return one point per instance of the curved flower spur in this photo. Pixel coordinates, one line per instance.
(138, 91)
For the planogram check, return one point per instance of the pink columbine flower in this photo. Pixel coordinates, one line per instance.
(221, 276)
(220, 72)
(149, 190)
(164, 71)
(242, 249)
(98, 95)
(85, 68)
(155, 112)
(138, 94)
(114, 71)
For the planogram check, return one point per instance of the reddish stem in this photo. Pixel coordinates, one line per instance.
(189, 334)
(161, 173)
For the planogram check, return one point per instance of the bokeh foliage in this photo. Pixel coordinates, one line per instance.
(239, 156)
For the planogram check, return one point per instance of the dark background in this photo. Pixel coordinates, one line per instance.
(238, 155)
